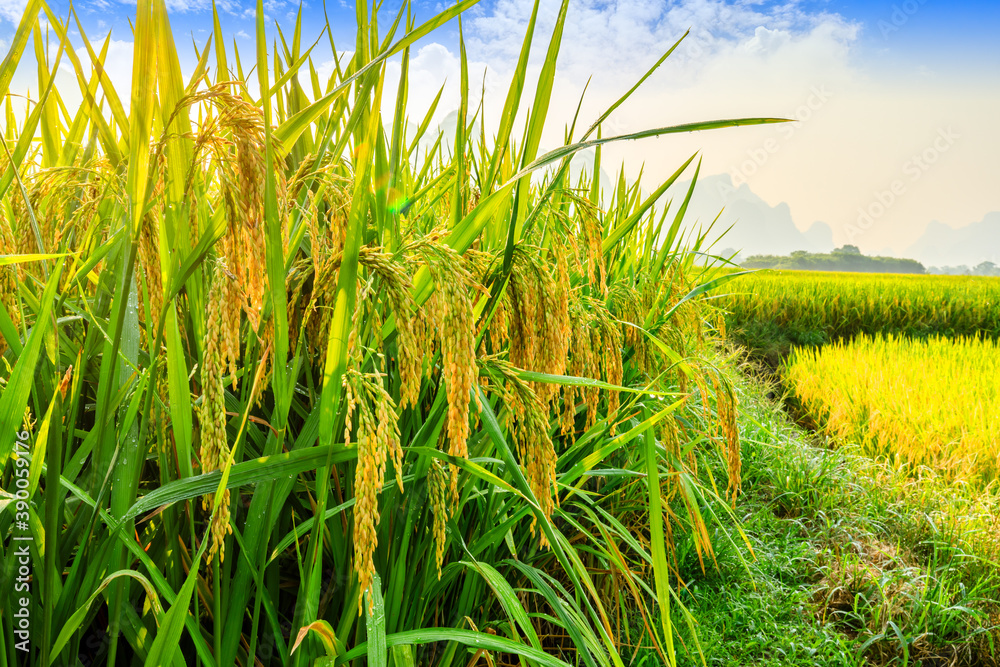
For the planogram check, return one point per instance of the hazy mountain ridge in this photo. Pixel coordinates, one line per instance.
(942, 245)
(757, 228)
(754, 226)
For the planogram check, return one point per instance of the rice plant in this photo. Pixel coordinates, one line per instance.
(809, 308)
(930, 402)
(294, 391)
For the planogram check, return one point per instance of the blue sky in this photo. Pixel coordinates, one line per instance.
(961, 34)
(873, 85)
(952, 36)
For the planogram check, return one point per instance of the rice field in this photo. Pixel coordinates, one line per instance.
(900, 373)
(931, 402)
(282, 387)
(902, 365)
(810, 308)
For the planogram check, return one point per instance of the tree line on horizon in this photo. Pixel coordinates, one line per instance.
(850, 258)
(845, 258)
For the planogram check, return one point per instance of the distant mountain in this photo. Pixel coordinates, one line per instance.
(757, 227)
(820, 235)
(941, 245)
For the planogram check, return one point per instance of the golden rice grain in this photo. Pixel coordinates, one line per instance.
(437, 489)
(378, 439)
(527, 420)
(212, 415)
(449, 313)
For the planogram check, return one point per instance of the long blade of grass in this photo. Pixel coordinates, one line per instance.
(15, 49)
(167, 639)
(16, 393)
(468, 637)
(657, 540)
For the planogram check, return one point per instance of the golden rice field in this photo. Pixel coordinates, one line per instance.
(920, 402)
(815, 307)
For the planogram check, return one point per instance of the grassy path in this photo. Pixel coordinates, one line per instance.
(855, 564)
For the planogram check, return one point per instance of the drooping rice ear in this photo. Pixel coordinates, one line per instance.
(527, 420)
(450, 311)
(212, 414)
(553, 333)
(410, 330)
(499, 325)
(368, 478)
(727, 415)
(437, 489)
(378, 439)
(148, 269)
(538, 454)
(592, 232)
(524, 313)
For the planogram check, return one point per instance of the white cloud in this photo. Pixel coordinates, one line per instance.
(857, 127)
(766, 41)
(12, 10)
(184, 6)
(117, 64)
(250, 13)
(730, 53)
(625, 37)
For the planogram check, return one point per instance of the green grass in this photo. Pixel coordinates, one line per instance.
(859, 562)
(855, 564)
